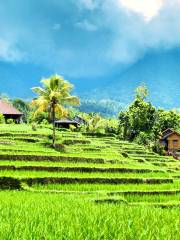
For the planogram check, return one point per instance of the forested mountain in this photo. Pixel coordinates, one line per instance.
(159, 71)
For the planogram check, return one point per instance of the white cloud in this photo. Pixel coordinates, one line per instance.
(133, 36)
(148, 8)
(120, 34)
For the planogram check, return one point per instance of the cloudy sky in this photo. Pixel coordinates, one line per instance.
(81, 39)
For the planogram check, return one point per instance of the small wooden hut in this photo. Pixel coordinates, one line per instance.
(65, 123)
(10, 112)
(171, 140)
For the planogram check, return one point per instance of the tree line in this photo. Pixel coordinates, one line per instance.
(140, 122)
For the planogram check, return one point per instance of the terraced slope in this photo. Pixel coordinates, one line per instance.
(102, 169)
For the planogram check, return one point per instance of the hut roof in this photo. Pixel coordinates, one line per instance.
(66, 121)
(168, 132)
(8, 109)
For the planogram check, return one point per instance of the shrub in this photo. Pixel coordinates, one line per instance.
(112, 126)
(144, 139)
(158, 148)
(39, 117)
(44, 122)
(2, 119)
(10, 121)
(34, 127)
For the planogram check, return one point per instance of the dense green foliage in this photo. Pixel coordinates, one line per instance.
(166, 119)
(140, 117)
(143, 123)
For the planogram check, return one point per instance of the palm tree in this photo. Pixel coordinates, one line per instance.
(53, 97)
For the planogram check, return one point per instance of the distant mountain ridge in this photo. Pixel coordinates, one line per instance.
(160, 71)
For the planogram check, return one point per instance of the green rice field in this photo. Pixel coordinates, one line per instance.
(92, 188)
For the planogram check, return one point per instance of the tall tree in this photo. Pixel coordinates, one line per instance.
(139, 117)
(54, 97)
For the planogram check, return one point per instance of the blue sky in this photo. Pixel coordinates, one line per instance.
(87, 41)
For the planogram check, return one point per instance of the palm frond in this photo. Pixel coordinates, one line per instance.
(60, 111)
(55, 91)
(40, 109)
(38, 90)
(45, 82)
(71, 100)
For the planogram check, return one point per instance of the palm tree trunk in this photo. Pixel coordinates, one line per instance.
(54, 129)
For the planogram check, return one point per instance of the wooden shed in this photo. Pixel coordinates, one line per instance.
(171, 140)
(10, 112)
(65, 123)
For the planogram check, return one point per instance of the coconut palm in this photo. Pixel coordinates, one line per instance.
(54, 97)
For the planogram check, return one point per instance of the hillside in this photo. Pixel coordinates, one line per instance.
(96, 183)
(107, 164)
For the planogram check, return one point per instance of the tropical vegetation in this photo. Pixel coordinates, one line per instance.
(106, 181)
(54, 96)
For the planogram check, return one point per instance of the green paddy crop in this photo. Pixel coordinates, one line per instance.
(108, 187)
(48, 216)
(155, 198)
(126, 164)
(23, 174)
(124, 191)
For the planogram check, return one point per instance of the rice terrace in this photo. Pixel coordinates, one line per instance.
(90, 120)
(99, 187)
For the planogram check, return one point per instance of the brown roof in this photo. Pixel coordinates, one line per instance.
(168, 132)
(6, 108)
